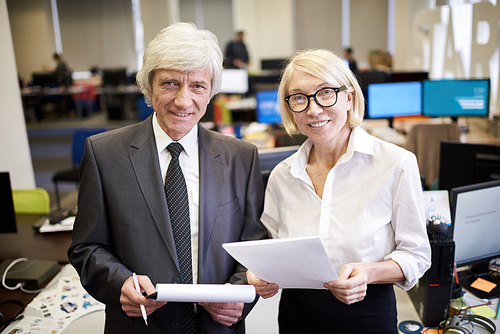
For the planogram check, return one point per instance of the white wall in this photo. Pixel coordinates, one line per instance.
(14, 149)
(32, 34)
(268, 26)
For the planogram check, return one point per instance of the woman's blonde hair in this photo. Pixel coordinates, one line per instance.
(324, 65)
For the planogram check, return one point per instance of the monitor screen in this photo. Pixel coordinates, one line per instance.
(454, 98)
(234, 81)
(8, 221)
(273, 64)
(393, 99)
(267, 107)
(269, 158)
(409, 76)
(462, 164)
(475, 213)
(114, 76)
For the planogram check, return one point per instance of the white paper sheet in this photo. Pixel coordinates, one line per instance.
(208, 293)
(289, 262)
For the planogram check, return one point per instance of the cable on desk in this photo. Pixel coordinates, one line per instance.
(21, 284)
(15, 318)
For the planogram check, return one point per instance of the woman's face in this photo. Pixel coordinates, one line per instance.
(320, 124)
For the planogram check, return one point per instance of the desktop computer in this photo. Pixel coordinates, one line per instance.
(433, 292)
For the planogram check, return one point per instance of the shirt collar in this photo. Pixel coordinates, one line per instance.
(188, 142)
(359, 141)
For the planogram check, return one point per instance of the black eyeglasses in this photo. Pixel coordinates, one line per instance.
(325, 97)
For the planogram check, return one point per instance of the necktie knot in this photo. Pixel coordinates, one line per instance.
(175, 149)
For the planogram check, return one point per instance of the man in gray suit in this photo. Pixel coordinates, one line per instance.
(123, 224)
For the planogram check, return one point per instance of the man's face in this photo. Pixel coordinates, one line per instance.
(180, 99)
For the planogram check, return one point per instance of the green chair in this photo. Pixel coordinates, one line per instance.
(34, 201)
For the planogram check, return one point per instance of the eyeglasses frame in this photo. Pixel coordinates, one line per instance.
(337, 90)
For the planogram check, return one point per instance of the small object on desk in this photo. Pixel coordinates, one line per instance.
(29, 274)
(498, 309)
(410, 327)
(138, 288)
(483, 285)
(64, 225)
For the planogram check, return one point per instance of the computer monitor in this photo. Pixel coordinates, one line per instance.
(269, 158)
(114, 76)
(454, 98)
(463, 164)
(388, 100)
(8, 221)
(43, 79)
(276, 65)
(234, 81)
(409, 76)
(475, 215)
(267, 107)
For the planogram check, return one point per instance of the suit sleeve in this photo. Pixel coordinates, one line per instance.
(90, 252)
(252, 227)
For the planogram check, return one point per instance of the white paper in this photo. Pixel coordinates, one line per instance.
(437, 206)
(205, 293)
(289, 262)
(65, 225)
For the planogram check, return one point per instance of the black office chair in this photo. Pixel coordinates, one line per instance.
(73, 174)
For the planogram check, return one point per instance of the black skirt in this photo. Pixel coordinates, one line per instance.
(318, 311)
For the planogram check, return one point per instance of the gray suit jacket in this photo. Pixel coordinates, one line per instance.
(123, 224)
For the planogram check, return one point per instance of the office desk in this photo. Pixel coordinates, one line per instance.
(119, 101)
(36, 97)
(33, 245)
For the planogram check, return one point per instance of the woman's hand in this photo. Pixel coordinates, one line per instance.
(355, 277)
(265, 289)
(351, 286)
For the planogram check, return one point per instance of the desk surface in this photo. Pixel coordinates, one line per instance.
(33, 245)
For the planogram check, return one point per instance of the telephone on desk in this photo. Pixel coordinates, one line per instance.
(60, 220)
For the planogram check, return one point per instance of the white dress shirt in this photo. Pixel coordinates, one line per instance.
(371, 209)
(189, 162)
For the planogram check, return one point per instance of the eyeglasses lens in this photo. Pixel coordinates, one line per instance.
(325, 97)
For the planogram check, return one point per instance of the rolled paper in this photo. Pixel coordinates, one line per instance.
(204, 293)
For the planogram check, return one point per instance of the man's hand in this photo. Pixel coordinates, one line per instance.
(131, 299)
(265, 289)
(224, 313)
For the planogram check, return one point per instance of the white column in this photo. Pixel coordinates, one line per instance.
(14, 148)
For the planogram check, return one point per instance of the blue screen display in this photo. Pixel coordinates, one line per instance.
(392, 99)
(453, 98)
(267, 107)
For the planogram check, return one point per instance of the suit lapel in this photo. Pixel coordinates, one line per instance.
(147, 170)
(211, 174)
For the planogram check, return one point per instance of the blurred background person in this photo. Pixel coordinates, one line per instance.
(236, 52)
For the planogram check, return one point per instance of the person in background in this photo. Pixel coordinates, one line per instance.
(349, 56)
(236, 52)
(62, 74)
(362, 196)
(127, 220)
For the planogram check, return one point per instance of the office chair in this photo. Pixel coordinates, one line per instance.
(73, 174)
(31, 201)
(425, 141)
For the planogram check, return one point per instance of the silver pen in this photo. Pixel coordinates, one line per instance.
(138, 288)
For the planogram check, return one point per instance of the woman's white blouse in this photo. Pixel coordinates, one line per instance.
(371, 209)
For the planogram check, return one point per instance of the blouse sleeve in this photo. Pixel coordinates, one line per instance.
(412, 253)
(270, 215)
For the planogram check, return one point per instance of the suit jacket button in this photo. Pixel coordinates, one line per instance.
(176, 280)
(174, 322)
